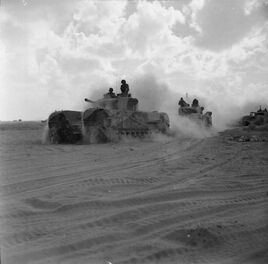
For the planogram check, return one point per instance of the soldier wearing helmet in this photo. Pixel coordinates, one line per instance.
(111, 93)
(124, 88)
(182, 103)
(195, 103)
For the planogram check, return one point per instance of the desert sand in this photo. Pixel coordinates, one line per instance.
(167, 200)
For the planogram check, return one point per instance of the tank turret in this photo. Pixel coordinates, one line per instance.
(114, 104)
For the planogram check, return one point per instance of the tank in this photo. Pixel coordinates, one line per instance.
(107, 119)
(111, 118)
(195, 113)
(255, 118)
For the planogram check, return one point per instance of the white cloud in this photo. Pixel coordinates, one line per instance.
(251, 5)
(250, 52)
(204, 64)
(150, 28)
(192, 11)
(98, 45)
(100, 17)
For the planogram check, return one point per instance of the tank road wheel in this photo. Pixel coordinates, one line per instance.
(54, 135)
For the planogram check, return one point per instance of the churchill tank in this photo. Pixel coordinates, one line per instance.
(195, 113)
(257, 118)
(107, 119)
(113, 117)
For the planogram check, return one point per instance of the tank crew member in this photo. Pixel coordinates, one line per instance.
(124, 88)
(111, 93)
(195, 103)
(182, 103)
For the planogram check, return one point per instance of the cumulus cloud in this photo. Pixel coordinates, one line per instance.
(61, 53)
(192, 11)
(251, 5)
(150, 27)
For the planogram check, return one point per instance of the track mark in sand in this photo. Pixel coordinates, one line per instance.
(19, 214)
(24, 237)
(127, 217)
(32, 185)
(137, 218)
(38, 206)
(114, 181)
(197, 173)
(66, 249)
(153, 199)
(158, 227)
(218, 164)
(129, 202)
(237, 198)
(41, 204)
(114, 220)
(159, 255)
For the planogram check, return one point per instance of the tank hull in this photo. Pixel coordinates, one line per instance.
(196, 115)
(102, 125)
(97, 125)
(255, 119)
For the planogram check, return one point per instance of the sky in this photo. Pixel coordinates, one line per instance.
(53, 54)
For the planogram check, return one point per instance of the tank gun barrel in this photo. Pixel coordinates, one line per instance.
(89, 101)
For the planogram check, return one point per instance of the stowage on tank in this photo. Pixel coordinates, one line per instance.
(108, 119)
(195, 113)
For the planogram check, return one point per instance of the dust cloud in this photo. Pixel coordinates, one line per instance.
(226, 110)
(155, 95)
(45, 137)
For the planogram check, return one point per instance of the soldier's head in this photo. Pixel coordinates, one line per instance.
(123, 81)
(111, 90)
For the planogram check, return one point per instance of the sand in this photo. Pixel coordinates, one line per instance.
(170, 200)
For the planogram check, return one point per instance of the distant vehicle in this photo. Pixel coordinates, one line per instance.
(255, 118)
(195, 113)
(108, 119)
